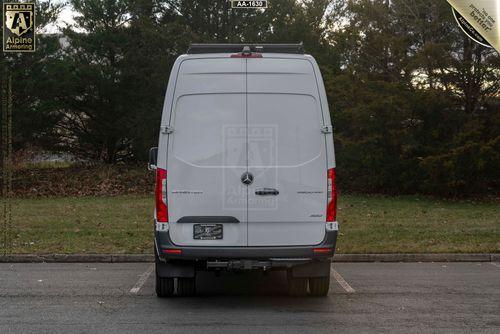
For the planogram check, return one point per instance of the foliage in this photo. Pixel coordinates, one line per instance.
(57, 179)
(35, 92)
(415, 103)
(416, 106)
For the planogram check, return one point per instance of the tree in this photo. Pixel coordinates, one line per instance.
(35, 91)
(416, 103)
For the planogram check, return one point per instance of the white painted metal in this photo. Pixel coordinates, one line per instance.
(224, 118)
(286, 152)
(207, 150)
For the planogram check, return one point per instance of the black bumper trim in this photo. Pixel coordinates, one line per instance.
(163, 241)
(208, 220)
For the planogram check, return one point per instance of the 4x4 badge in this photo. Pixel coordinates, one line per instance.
(247, 178)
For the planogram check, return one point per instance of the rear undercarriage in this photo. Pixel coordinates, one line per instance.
(307, 267)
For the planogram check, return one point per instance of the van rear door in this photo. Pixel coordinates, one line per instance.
(207, 152)
(286, 154)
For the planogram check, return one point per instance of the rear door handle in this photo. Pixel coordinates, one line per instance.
(266, 191)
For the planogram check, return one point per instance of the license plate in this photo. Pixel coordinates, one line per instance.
(207, 231)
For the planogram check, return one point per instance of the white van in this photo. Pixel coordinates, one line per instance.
(245, 168)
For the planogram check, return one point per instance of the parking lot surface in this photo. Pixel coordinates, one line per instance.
(364, 297)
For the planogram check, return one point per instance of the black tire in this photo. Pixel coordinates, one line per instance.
(297, 286)
(319, 286)
(186, 286)
(164, 286)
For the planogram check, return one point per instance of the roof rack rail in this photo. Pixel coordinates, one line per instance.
(232, 48)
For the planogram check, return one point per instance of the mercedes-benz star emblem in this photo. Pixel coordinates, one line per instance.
(247, 178)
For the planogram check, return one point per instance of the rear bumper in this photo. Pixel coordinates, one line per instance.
(164, 244)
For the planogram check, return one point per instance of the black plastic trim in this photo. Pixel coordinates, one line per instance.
(234, 48)
(163, 241)
(267, 192)
(208, 220)
(312, 269)
(175, 269)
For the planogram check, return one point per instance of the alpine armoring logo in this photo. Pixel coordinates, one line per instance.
(469, 30)
(19, 27)
(479, 20)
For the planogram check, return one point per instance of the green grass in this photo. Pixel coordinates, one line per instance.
(368, 224)
(376, 224)
(83, 225)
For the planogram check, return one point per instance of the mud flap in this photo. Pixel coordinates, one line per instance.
(175, 269)
(312, 269)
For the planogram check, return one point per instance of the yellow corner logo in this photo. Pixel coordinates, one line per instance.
(19, 27)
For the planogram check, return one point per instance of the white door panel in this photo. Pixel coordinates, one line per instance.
(287, 76)
(263, 116)
(207, 157)
(213, 75)
(287, 153)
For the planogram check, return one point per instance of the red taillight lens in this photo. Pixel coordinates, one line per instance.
(331, 209)
(172, 251)
(322, 250)
(161, 196)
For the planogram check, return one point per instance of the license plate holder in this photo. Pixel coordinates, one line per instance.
(207, 231)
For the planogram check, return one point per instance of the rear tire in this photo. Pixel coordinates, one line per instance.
(319, 286)
(186, 286)
(297, 286)
(164, 286)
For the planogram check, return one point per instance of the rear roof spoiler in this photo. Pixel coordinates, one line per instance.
(233, 48)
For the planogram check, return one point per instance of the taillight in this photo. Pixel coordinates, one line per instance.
(246, 55)
(323, 250)
(172, 251)
(331, 209)
(161, 195)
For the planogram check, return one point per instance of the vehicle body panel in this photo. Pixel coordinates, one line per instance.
(284, 113)
(213, 103)
(209, 97)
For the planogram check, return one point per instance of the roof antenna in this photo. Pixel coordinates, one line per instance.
(246, 51)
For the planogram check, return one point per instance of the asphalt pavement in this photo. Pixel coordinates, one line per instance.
(364, 297)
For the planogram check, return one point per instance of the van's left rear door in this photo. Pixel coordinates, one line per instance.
(207, 151)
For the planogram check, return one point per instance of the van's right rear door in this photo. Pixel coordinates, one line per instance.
(286, 154)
